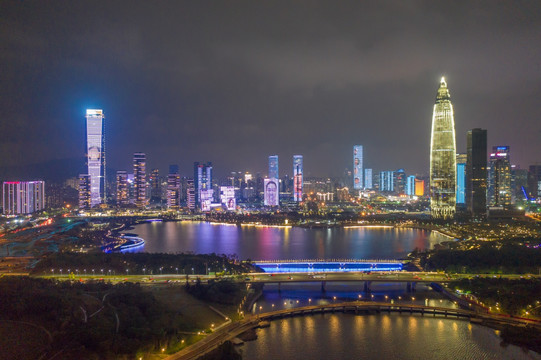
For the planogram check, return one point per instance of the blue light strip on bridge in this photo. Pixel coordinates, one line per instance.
(327, 267)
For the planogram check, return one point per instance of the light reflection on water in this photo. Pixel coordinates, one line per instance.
(269, 243)
(349, 336)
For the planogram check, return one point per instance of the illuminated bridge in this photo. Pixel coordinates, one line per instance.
(328, 266)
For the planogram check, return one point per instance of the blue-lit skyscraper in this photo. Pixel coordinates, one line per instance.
(358, 183)
(461, 160)
(273, 167)
(297, 178)
(386, 182)
(202, 179)
(368, 179)
(95, 152)
(410, 185)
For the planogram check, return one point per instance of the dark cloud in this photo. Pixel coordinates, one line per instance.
(235, 81)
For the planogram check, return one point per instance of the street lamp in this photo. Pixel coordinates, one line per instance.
(161, 273)
(52, 270)
(84, 271)
(144, 271)
(93, 272)
(176, 270)
(192, 271)
(60, 272)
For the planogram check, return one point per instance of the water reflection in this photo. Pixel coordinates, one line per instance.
(269, 243)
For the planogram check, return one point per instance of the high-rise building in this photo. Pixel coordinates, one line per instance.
(190, 194)
(173, 187)
(386, 181)
(410, 185)
(443, 156)
(358, 183)
(155, 187)
(499, 189)
(95, 152)
(84, 191)
(297, 178)
(272, 192)
(476, 172)
(140, 179)
(202, 180)
(23, 197)
(227, 198)
(273, 167)
(399, 181)
(122, 190)
(461, 160)
(419, 187)
(368, 179)
(534, 182)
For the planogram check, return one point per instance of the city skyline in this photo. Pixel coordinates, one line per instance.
(181, 98)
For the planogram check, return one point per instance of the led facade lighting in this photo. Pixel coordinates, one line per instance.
(297, 178)
(95, 152)
(443, 157)
(358, 183)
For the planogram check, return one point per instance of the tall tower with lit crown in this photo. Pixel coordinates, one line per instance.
(443, 156)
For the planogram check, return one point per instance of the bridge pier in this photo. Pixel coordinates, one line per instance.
(323, 283)
(367, 286)
(411, 286)
(279, 287)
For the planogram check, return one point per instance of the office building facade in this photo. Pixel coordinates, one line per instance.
(461, 160)
(202, 181)
(140, 179)
(499, 177)
(95, 153)
(122, 189)
(297, 177)
(358, 183)
(84, 192)
(173, 187)
(273, 167)
(476, 172)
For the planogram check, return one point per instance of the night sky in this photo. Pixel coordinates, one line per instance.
(235, 81)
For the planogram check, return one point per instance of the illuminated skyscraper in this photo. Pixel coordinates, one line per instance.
(95, 152)
(461, 160)
(476, 173)
(399, 181)
(23, 197)
(202, 180)
(410, 185)
(419, 187)
(368, 179)
(358, 183)
(297, 178)
(173, 187)
(122, 191)
(84, 191)
(190, 194)
(140, 179)
(386, 182)
(499, 189)
(155, 187)
(273, 167)
(443, 156)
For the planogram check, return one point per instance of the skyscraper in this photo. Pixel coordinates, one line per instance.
(84, 191)
(23, 197)
(443, 156)
(140, 179)
(190, 194)
(399, 181)
(368, 179)
(122, 191)
(499, 193)
(461, 160)
(386, 183)
(410, 185)
(173, 187)
(534, 182)
(358, 183)
(273, 167)
(155, 187)
(476, 172)
(95, 152)
(297, 178)
(202, 180)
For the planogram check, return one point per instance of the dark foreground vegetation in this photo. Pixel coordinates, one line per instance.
(485, 258)
(224, 292)
(521, 297)
(91, 320)
(138, 263)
